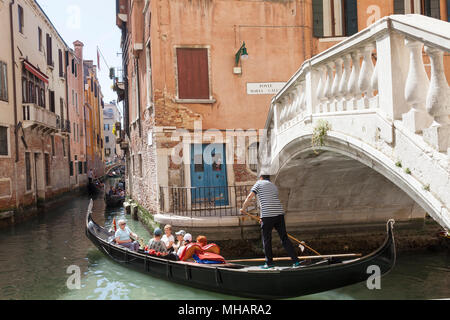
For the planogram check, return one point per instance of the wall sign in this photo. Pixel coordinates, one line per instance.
(271, 88)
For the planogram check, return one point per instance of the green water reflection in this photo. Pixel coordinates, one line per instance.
(34, 258)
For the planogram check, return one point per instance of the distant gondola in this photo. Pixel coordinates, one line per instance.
(94, 189)
(114, 200)
(245, 281)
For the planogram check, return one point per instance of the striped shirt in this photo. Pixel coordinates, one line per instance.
(268, 199)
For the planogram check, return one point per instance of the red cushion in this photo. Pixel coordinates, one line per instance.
(190, 250)
(211, 256)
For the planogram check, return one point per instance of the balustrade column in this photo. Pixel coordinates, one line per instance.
(353, 87)
(321, 89)
(336, 83)
(343, 91)
(328, 86)
(416, 89)
(365, 76)
(438, 103)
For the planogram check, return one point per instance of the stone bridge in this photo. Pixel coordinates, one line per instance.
(361, 132)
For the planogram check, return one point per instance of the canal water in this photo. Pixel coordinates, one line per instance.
(35, 257)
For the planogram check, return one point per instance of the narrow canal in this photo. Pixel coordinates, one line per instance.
(34, 257)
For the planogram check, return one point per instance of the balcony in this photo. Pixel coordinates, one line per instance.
(223, 201)
(39, 118)
(65, 127)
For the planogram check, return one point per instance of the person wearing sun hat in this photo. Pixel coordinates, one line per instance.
(180, 240)
(186, 240)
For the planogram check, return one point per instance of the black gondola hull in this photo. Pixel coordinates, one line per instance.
(239, 280)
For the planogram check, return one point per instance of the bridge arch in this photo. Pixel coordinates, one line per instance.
(346, 167)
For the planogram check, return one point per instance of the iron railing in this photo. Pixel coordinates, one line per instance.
(204, 201)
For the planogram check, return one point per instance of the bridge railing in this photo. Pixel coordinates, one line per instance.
(382, 69)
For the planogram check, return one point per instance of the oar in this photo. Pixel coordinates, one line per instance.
(295, 239)
(350, 255)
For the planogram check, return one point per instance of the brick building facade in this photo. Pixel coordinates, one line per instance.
(41, 101)
(185, 81)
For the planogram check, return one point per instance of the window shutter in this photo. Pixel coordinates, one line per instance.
(3, 141)
(49, 50)
(432, 9)
(448, 10)
(193, 75)
(60, 60)
(317, 18)
(351, 17)
(399, 6)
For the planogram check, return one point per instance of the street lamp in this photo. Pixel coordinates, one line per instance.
(241, 54)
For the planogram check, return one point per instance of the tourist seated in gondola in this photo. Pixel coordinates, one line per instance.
(111, 191)
(157, 247)
(202, 241)
(186, 240)
(179, 241)
(156, 243)
(123, 237)
(168, 238)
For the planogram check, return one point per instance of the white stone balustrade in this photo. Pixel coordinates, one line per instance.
(378, 96)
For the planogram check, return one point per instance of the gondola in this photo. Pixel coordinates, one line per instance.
(247, 281)
(114, 200)
(94, 189)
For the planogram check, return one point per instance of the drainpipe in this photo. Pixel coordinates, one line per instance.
(68, 116)
(16, 132)
(13, 57)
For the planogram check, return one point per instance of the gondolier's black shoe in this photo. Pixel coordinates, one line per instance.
(267, 266)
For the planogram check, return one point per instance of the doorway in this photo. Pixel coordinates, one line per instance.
(209, 174)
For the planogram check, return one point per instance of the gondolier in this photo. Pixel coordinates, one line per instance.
(272, 216)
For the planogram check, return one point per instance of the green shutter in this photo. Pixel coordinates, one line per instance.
(317, 6)
(448, 10)
(434, 8)
(399, 6)
(351, 17)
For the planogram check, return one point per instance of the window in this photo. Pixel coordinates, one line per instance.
(64, 147)
(80, 167)
(193, 73)
(28, 170)
(3, 141)
(61, 109)
(71, 168)
(149, 75)
(53, 145)
(140, 165)
(107, 139)
(3, 81)
(21, 19)
(47, 169)
(33, 89)
(40, 39)
(60, 63)
(253, 156)
(335, 18)
(51, 98)
(49, 51)
(430, 8)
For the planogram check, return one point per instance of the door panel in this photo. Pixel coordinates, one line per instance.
(208, 174)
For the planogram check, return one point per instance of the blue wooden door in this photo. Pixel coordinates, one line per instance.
(209, 175)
